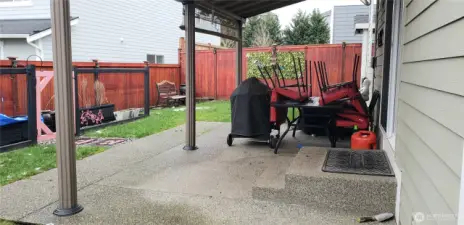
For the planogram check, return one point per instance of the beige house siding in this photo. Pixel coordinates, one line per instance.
(430, 128)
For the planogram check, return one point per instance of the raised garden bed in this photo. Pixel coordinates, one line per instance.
(96, 115)
(92, 116)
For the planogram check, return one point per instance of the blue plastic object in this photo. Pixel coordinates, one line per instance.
(5, 120)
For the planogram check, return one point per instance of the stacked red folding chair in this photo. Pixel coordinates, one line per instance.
(277, 116)
(355, 112)
(283, 92)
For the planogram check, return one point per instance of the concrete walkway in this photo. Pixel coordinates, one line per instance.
(153, 181)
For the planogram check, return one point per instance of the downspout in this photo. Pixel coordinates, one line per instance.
(38, 48)
(332, 14)
(2, 52)
(369, 56)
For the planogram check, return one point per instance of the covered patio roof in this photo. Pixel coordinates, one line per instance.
(225, 12)
(244, 8)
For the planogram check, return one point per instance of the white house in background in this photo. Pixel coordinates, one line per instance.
(107, 30)
(341, 20)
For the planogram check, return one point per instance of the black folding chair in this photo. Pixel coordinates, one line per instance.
(301, 78)
(265, 75)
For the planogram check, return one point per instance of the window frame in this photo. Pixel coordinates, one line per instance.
(395, 68)
(155, 56)
(157, 59)
(15, 3)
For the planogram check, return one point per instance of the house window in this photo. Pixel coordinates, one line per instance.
(158, 59)
(14, 3)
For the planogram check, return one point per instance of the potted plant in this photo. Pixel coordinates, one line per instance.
(102, 112)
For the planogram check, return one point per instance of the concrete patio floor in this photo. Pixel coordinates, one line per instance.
(153, 181)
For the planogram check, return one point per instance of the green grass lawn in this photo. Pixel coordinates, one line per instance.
(166, 118)
(26, 162)
(5, 222)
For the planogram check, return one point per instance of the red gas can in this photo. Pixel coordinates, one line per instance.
(363, 140)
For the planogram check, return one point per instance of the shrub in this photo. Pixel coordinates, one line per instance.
(283, 58)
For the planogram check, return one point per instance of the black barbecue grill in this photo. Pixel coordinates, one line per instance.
(250, 105)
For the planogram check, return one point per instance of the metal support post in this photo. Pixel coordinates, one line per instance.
(189, 21)
(65, 146)
(147, 89)
(238, 69)
(31, 104)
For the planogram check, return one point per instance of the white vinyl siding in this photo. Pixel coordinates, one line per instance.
(118, 31)
(39, 9)
(17, 48)
(343, 25)
(430, 133)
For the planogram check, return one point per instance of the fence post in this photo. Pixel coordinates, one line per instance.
(147, 88)
(343, 61)
(31, 104)
(14, 85)
(95, 77)
(274, 58)
(76, 102)
(215, 73)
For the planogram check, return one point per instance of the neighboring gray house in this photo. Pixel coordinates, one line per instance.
(341, 20)
(107, 30)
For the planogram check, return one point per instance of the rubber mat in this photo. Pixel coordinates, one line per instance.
(368, 162)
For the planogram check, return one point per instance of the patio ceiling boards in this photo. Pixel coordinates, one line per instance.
(244, 8)
(229, 12)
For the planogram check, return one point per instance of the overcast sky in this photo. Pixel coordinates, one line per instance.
(285, 14)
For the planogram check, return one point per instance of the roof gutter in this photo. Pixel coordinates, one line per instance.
(14, 35)
(2, 52)
(35, 40)
(47, 32)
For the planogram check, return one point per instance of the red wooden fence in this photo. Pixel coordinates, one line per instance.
(215, 69)
(215, 77)
(123, 90)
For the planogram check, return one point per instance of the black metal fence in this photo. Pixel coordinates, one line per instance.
(14, 135)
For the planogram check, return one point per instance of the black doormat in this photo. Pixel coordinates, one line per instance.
(369, 162)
